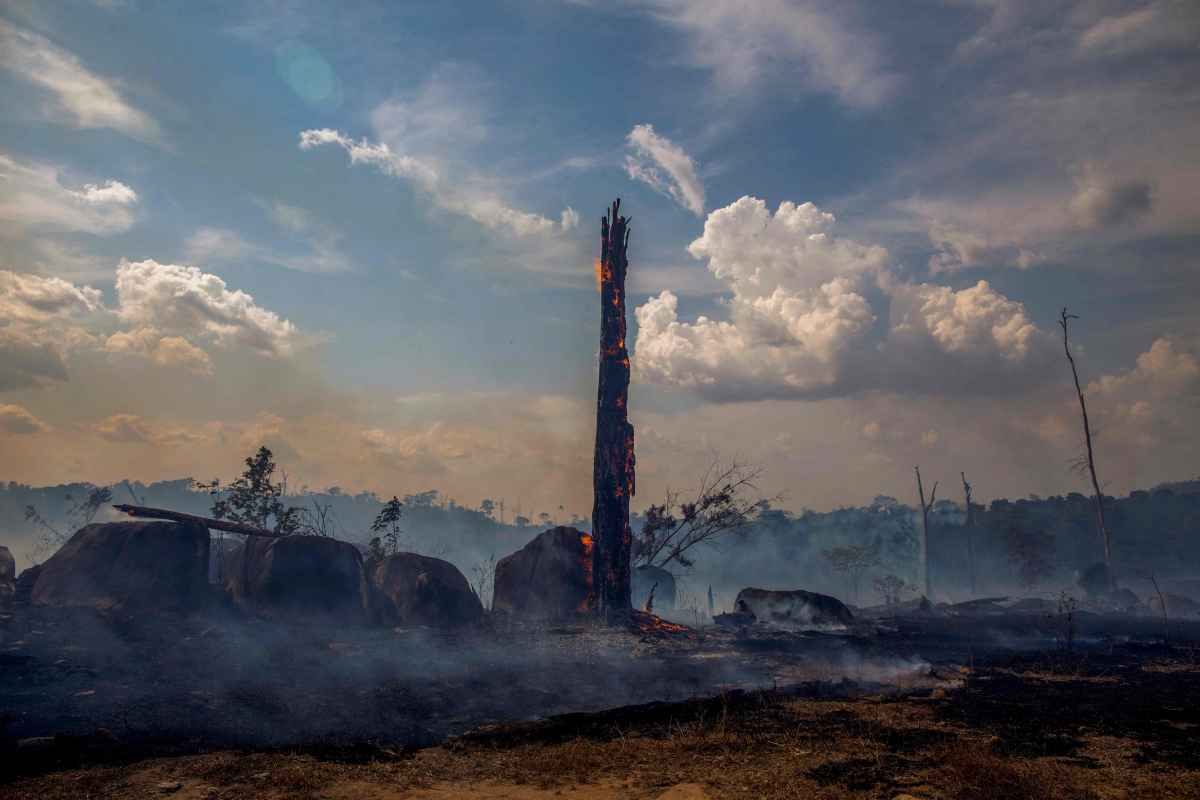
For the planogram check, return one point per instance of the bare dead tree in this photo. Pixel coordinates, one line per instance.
(613, 467)
(925, 509)
(968, 525)
(726, 502)
(1087, 437)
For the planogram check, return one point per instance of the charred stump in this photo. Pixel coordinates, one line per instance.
(613, 478)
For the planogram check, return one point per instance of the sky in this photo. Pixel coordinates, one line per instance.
(365, 236)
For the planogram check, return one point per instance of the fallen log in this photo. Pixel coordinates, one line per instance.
(146, 512)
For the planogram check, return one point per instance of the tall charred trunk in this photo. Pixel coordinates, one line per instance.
(613, 470)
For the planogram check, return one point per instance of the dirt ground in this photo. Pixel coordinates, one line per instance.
(1115, 723)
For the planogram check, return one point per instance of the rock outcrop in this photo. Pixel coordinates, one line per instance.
(549, 578)
(796, 609)
(8, 575)
(160, 565)
(299, 578)
(411, 589)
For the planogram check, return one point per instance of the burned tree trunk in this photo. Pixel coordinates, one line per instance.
(925, 509)
(145, 512)
(1064, 321)
(612, 476)
(968, 525)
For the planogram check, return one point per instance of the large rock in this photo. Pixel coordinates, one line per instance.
(299, 577)
(549, 578)
(8, 575)
(646, 578)
(796, 609)
(411, 589)
(25, 582)
(140, 564)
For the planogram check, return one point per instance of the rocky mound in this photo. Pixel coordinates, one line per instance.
(796, 609)
(162, 565)
(8, 575)
(549, 578)
(298, 577)
(410, 589)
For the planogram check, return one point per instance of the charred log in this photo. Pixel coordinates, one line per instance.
(145, 512)
(613, 470)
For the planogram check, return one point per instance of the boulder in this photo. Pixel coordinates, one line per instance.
(663, 583)
(25, 582)
(137, 564)
(549, 578)
(8, 575)
(299, 577)
(796, 609)
(411, 589)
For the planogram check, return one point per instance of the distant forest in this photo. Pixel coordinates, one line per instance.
(1028, 546)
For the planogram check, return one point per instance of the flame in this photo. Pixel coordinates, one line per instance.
(599, 273)
(586, 604)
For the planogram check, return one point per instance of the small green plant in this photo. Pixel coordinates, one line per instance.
(387, 525)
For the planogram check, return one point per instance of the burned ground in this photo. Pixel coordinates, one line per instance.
(902, 706)
(817, 740)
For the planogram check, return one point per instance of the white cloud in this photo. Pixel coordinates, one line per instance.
(652, 156)
(17, 419)
(33, 298)
(479, 205)
(82, 98)
(32, 196)
(784, 42)
(165, 351)
(185, 301)
(801, 324)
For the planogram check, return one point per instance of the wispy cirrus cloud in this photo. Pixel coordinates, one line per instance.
(665, 167)
(81, 98)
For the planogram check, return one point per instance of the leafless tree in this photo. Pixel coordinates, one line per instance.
(1064, 321)
(81, 512)
(484, 582)
(926, 507)
(319, 520)
(968, 526)
(725, 504)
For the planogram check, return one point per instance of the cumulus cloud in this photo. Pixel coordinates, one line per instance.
(164, 351)
(664, 166)
(464, 199)
(17, 419)
(34, 197)
(38, 327)
(745, 43)
(183, 300)
(34, 298)
(81, 98)
(802, 324)
(124, 428)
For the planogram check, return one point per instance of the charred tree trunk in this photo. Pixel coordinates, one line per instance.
(968, 529)
(612, 476)
(1091, 456)
(925, 509)
(145, 512)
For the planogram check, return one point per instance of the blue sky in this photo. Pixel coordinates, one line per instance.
(365, 235)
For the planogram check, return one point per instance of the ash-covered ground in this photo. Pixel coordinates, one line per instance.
(84, 686)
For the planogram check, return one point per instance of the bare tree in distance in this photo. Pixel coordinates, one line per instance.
(968, 525)
(725, 504)
(1064, 321)
(925, 509)
(81, 512)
